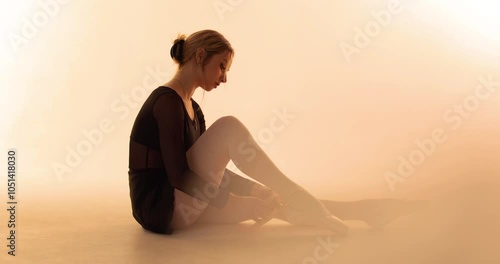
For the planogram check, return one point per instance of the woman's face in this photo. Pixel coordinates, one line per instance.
(215, 71)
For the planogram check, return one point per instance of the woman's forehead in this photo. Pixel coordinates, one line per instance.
(226, 55)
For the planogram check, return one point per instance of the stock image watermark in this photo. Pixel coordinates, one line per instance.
(31, 26)
(121, 108)
(12, 206)
(454, 117)
(322, 252)
(363, 36)
(222, 7)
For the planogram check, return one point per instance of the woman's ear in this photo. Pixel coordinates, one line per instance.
(200, 55)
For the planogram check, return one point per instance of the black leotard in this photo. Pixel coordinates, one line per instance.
(164, 129)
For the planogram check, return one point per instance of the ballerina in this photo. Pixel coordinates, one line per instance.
(177, 166)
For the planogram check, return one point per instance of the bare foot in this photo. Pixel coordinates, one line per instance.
(301, 200)
(381, 212)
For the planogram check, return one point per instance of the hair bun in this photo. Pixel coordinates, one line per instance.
(177, 50)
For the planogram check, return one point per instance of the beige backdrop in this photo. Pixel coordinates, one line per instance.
(352, 99)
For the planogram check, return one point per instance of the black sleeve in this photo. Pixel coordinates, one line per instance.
(236, 184)
(168, 111)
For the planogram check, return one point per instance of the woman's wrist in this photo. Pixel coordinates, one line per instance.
(255, 190)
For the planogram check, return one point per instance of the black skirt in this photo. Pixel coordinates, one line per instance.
(152, 198)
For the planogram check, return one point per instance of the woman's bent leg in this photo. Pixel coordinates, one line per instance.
(228, 139)
(208, 158)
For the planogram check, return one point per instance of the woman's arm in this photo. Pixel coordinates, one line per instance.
(237, 184)
(168, 111)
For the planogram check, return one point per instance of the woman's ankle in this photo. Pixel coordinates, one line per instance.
(300, 199)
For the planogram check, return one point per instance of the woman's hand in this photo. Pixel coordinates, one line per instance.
(258, 209)
(264, 193)
(267, 203)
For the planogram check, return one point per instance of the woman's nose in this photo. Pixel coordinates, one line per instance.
(224, 78)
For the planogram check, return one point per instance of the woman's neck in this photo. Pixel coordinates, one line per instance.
(184, 84)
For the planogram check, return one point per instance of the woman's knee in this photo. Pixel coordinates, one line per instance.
(230, 128)
(229, 123)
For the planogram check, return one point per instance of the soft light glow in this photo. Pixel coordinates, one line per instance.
(11, 12)
(477, 15)
(11, 15)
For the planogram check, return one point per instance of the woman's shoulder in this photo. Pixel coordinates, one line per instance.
(164, 97)
(163, 91)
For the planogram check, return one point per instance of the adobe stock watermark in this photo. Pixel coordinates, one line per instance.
(277, 124)
(452, 116)
(121, 108)
(221, 7)
(322, 251)
(364, 36)
(39, 20)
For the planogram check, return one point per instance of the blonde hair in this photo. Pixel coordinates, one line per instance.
(184, 49)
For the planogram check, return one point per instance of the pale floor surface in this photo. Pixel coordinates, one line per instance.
(105, 232)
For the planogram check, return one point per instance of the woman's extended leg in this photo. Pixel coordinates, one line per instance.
(375, 212)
